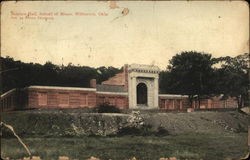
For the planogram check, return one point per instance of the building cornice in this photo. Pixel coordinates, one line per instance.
(113, 93)
(62, 88)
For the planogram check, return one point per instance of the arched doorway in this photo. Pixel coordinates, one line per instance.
(142, 94)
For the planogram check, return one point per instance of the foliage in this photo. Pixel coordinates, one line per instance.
(106, 108)
(188, 73)
(232, 77)
(17, 74)
(200, 75)
(135, 119)
(135, 125)
(143, 130)
(161, 131)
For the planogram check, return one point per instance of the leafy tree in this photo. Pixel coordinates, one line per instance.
(17, 74)
(189, 73)
(165, 82)
(232, 77)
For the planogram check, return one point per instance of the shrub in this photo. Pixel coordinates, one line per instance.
(241, 129)
(132, 130)
(135, 125)
(106, 108)
(162, 131)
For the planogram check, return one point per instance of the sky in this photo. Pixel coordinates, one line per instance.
(98, 33)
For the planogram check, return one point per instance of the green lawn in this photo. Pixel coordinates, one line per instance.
(192, 146)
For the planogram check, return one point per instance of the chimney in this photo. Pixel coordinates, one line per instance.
(93, 83)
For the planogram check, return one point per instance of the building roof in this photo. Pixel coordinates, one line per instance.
(109, 88)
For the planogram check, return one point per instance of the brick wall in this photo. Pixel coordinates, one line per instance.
(216, 102)
(173, 103)
(60, 98)
(183, 103)
(66, 97)
(119, 101)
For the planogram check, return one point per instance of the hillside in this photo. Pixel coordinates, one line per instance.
(47, 123)
(147, 136)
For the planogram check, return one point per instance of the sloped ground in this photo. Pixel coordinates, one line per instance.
(52, 123)
(197, 135)
(200, 122)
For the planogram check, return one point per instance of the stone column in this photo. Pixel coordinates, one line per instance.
(130, 103)
(134, 96)
(156, 90)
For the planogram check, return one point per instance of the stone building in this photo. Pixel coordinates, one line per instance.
(137, 87)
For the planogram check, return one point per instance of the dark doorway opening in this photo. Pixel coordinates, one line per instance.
(142, 94)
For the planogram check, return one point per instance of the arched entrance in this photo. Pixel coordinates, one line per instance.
(142, 94)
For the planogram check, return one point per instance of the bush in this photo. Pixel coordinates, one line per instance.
(138, 131)
(162, 131)
(106, 108)
(241, 129)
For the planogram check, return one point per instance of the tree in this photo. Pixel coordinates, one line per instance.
(232, 77)
(189, 73)
(17, 74)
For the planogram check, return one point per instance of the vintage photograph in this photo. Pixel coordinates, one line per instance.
(125, 80)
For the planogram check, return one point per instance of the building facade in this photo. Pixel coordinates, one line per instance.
(137, 87)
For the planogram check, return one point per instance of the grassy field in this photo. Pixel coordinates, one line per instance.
(197, 135)
(191, 146)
